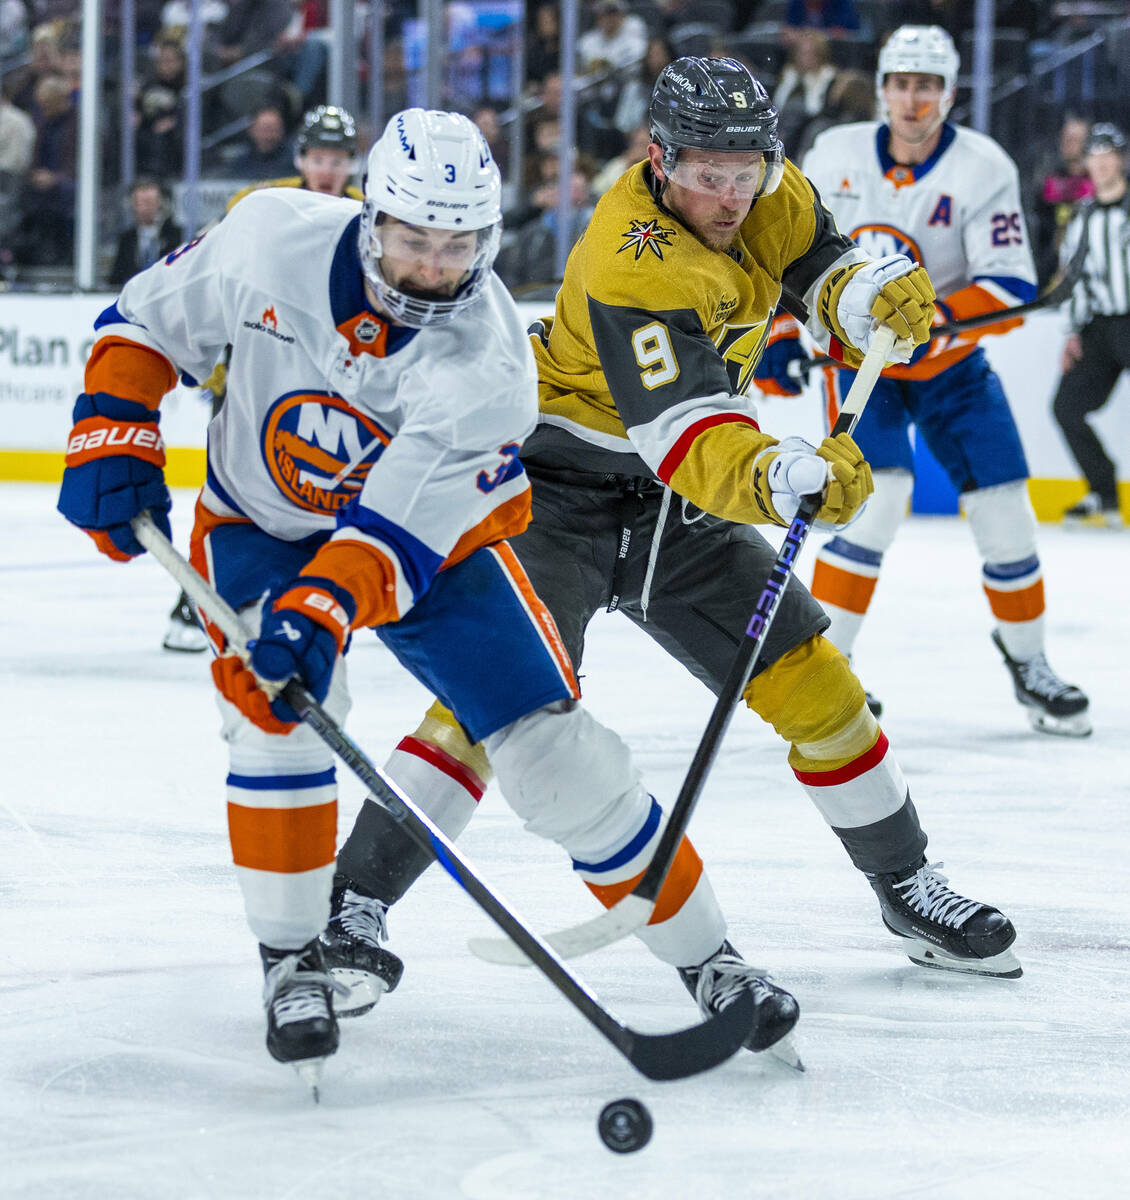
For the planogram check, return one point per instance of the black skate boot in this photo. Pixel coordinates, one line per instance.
(301, 1028)
(874, 704)
(1052, 705)
(360, 966)
(945, 930)
(184, 632)
(718, 980)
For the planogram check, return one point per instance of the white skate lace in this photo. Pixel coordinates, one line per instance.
(363, 917)
(926, 892)
(724, 978)
(296, 994)
(1039, 678)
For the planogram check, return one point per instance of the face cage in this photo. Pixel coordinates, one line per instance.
(773, 161)
(415, 311)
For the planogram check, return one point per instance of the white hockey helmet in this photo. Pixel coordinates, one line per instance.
(920, 50)
(433, 170)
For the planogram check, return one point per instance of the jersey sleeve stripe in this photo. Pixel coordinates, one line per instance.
(130, 371)
(678, 452)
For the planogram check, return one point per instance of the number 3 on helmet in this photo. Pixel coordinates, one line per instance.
(432, 170)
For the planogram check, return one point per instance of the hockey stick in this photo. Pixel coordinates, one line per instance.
(1055, 295)
(658, 1056)
(635, 909)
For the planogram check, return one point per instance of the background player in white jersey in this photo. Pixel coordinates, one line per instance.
(363, 472)
(949, 198)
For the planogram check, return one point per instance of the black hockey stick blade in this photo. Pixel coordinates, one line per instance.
(635, 909)
(666, 1056)
(658, 1056)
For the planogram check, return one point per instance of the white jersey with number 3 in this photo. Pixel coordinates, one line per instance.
(958, 214)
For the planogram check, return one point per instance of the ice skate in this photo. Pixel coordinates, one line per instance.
(1093, 512)
(874, 704)
(184, 633)
(715, 982)
(362, 968)
(1052, 705)
(945, 930)
(301, 1028)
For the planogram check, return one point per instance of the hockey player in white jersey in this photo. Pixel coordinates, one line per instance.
(947, 197)
(363, 472)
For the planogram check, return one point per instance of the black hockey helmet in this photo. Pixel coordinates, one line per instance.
(714, 104)
(329, 127)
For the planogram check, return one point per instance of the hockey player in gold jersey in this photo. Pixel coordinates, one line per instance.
(649, 473)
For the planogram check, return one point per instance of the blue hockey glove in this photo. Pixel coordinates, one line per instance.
(114, 470)
(302, 633)
(771, 374)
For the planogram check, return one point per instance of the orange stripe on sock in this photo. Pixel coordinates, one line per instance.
(283, 840)
(1024, 605)
(681, 880)
(844, 589)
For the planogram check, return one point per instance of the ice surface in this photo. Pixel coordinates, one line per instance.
(131, 1055)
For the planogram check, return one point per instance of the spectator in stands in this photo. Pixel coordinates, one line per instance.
(850, 97)
(486, 117)
(13, 29)
(159, 144)
(151, 234)
(635, 95)
(176, 14)
(543, 44)
(803, 85)
(618, 39)
(251, 26)
(266, 152)
(46, 234)
(17, 140)
(635, 151)
(45, 59)
(1060, 185)
(531, 256)
(833, 16)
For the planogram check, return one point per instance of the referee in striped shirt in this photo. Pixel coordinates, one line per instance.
(1097, 349)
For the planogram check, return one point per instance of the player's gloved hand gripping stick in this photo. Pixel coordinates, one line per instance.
(635, 909)
(658, 1056)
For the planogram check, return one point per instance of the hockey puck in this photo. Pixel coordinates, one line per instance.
(624, 1125)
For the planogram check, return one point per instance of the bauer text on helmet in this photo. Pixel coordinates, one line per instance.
(919, 50)
(432, 218)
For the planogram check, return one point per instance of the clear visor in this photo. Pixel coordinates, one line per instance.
(742, 176)
(425, 276)
(431, 263)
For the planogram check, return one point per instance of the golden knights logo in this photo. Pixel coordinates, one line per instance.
(741, 347)
(646, 235)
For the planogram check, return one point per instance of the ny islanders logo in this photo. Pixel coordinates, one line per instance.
(646, 235)
(319, 450)
(881, 240)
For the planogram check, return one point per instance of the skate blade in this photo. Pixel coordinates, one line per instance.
(785, 1051)
(1000, 966)
(1077, 725)
(364, 990)
(309, 1070)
